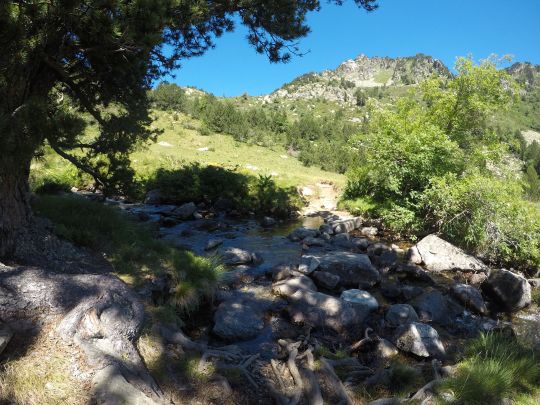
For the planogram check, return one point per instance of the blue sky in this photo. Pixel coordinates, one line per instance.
(441, 28)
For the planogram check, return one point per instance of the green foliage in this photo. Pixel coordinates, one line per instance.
(488, 215)
(209, 183)
(433, 163)
(168, 96)
(495, 367)
(131, 247)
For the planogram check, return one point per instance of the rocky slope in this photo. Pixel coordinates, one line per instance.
(342, 84)
(526, 73)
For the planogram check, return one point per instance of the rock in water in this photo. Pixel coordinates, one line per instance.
(439, 255)
(213, 243)
(470, 297)
(235, 320)
(185, 211)
(346, 225)
(436, 307)
(324, 311)
(360, 297)
(400, 315)
(234, 256)
(509, 289)
(353, 269)
(420, 339)
(302, 233)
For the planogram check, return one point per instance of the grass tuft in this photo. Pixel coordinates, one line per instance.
(495, 367)
(132, 248)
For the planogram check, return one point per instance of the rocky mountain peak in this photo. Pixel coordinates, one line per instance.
(342, 83)
(525, 73)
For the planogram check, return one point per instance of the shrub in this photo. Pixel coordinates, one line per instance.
(487, 215)
(209, 183)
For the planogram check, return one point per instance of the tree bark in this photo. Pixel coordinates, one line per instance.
(15, 211)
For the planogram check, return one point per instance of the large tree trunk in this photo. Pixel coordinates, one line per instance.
(15, 212)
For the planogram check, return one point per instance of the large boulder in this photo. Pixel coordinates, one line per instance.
(324, 311)
(237, 320)
(509, 289)
(420, 339)
(353, 269)
(470, 297)
(440, 255)
(400, 315)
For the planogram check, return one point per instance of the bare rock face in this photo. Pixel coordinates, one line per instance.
(420, 339)
(324, 311)
(511, 290)
(440, 255)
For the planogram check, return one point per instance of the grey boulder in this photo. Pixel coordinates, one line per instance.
(470, 297)
(511, 290)
(420, 339)
(236, 320)
(286, 288)
(440, 255)
(185, 211)
(5, 336)
(400, 315)
(324, 311)
(360, 297)
(326, 280)
(234, 256)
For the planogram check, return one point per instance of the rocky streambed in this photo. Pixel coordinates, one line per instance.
(303, 299)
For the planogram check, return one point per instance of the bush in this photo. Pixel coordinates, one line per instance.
(487, 215)
(209, 183)
(495, 367)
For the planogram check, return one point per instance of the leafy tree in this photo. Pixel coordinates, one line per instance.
(64, 57)
(168, 96)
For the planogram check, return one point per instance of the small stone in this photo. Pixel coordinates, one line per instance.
(185, 211)
(308, 264)
(288, 287)
(360, 297)
(420, 339)
(369, 231)
(311, 241)
(326, 280)
(268, 222)
(213, 243)
(235, 256)
(400, 314)
(470, 297)
(197, 215)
